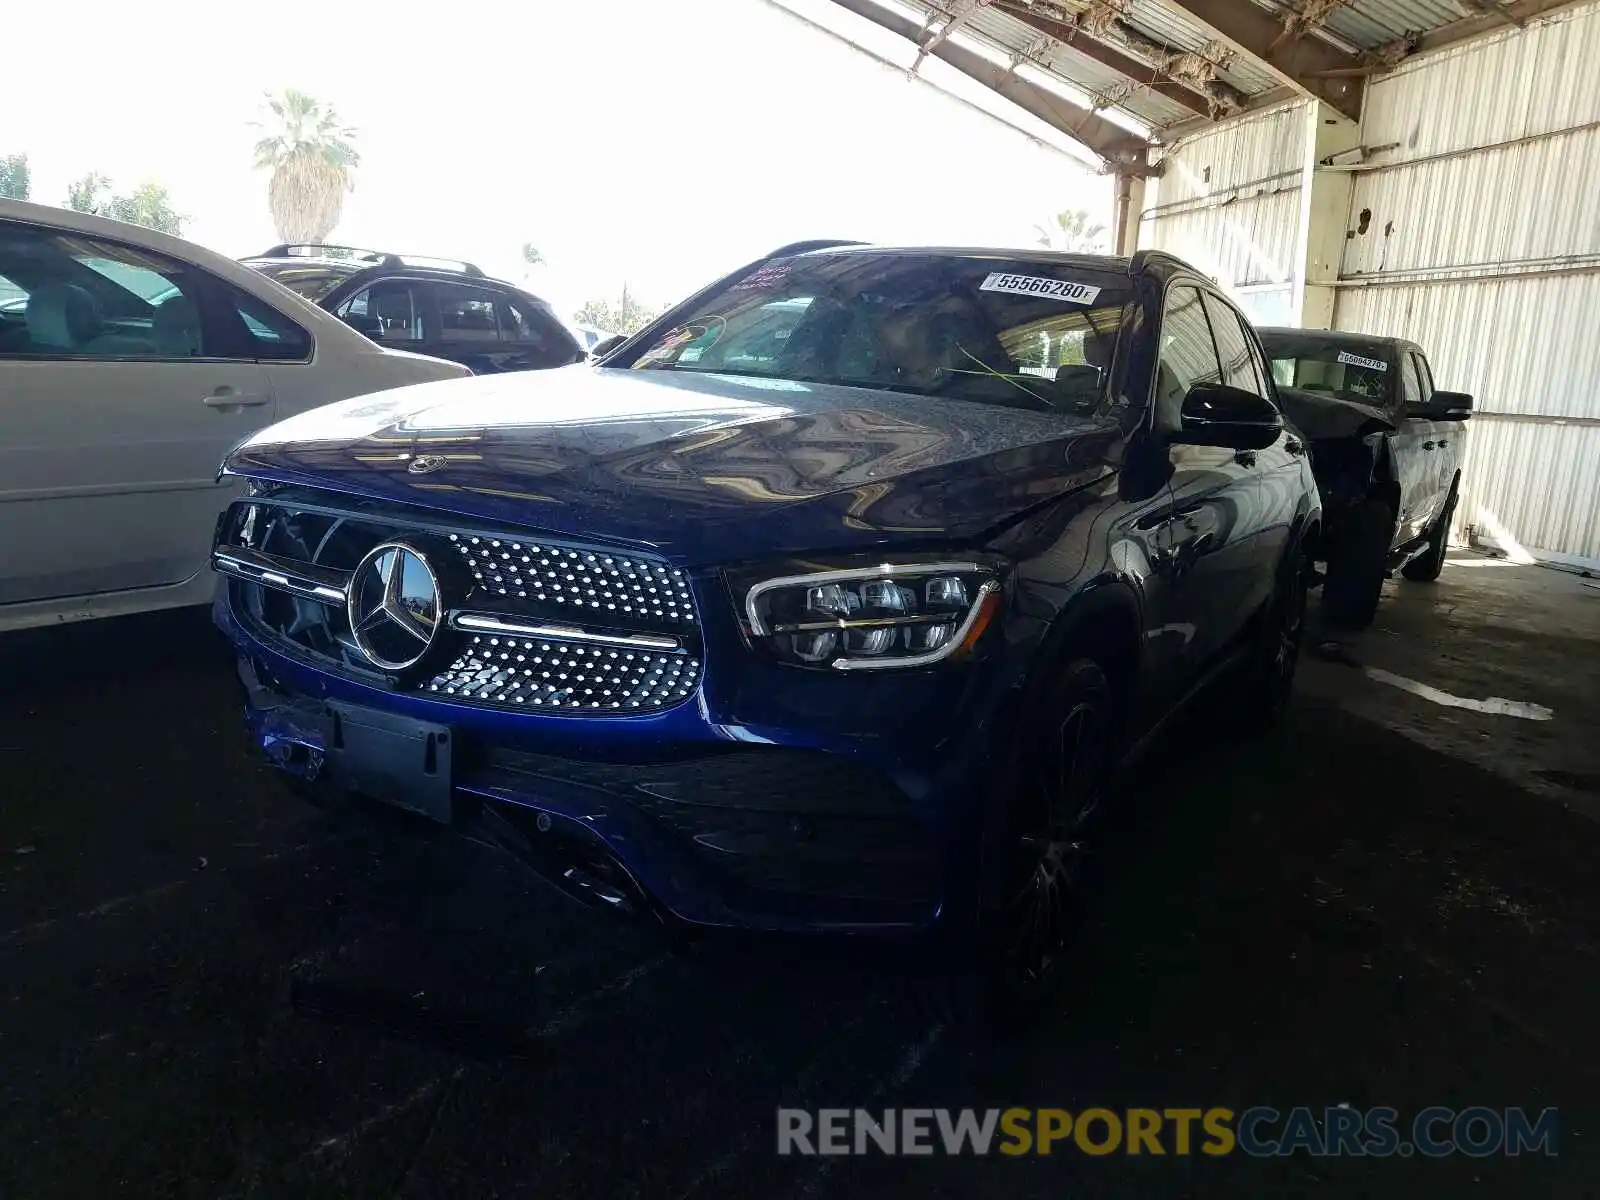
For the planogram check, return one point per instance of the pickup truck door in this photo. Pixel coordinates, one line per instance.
(1448, 438)
(1415, 459)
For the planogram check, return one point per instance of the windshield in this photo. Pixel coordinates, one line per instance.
(1332, 371)
(312, 282)
(1023, 334)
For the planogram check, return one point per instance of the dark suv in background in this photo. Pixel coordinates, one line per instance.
(438, 307)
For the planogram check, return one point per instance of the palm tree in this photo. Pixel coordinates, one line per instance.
(312, 162)
(1071, 232)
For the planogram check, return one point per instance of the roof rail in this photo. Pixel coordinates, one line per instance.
(387, 258)
(427, 260)
(313, 249)
(813, 244)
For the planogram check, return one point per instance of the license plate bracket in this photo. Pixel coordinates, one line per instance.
(395, 759)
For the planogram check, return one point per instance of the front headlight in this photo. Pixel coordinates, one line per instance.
(873, 617)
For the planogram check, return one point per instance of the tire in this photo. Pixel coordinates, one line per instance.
(1266, 682)
(1358, 562)
(1040, 869)
(1425, 567)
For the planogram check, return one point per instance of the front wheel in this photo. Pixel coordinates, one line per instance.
(1042, 861)
(1267, 681)
(1358, 560)
(1425, 567)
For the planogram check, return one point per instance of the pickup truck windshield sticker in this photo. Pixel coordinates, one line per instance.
(1034, 285)
(1355, 360)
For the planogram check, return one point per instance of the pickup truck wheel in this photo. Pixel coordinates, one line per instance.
(1425, 567)
(1358, 561)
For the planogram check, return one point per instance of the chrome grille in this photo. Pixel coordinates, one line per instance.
(512, 672)
(534, 623)
(587, 581)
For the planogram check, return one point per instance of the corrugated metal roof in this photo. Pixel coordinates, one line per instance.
(1366, 24)
(1061, 59)
(1177, 29)
(1369, 23)
(1003, 32)
(1354, 26)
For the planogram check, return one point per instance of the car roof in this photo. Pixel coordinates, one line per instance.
(243, 277)
(1158, 263)
(350, 264)
(1094, 262)
(1335, 337)
(392, 265)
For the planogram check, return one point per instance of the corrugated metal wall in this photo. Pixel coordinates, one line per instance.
(1482, 242)
(1228, 201)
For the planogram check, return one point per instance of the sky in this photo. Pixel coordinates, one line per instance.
(634, 142)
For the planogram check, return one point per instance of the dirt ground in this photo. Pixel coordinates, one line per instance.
(210, 989)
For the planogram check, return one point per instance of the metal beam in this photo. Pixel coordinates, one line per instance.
(1111, 142)
(1126, 65)
(1500, 17)
(1300, 62)
(1184, 129)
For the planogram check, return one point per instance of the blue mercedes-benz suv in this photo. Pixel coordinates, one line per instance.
(825, 603)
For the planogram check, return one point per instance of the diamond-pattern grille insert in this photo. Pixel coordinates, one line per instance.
(522, 673)
(587, 581)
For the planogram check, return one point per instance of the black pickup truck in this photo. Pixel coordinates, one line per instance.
(1386, 449)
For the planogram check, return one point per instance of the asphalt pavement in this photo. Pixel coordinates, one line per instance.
(209, 988)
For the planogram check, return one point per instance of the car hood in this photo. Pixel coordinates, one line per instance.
(702, 467)
(1320, 416)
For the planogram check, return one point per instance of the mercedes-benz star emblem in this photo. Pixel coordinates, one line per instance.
(394, 606)
(425, 464)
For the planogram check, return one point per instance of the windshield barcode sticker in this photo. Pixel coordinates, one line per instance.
(1035, 285)
(1355, 360)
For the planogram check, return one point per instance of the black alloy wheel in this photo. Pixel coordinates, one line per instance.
(1047, 857)
(1282, 638)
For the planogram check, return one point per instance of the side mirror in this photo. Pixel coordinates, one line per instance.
(1217, 415)
(606, 345)
(1449, 406)
(366, 326)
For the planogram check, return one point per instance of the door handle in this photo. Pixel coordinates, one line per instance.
(227, 397)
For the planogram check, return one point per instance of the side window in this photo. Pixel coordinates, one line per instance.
(268, 334)
(70, 296)
(390, 309)
(1241, 362)
(1424, 377)
(1410, 388)
(1188, 355)
(549, 344)
(467, 314)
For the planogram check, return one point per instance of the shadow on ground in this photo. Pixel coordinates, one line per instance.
(210, 989)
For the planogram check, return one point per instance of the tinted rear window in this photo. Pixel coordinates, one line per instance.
(1364, 373)
(312, 282)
